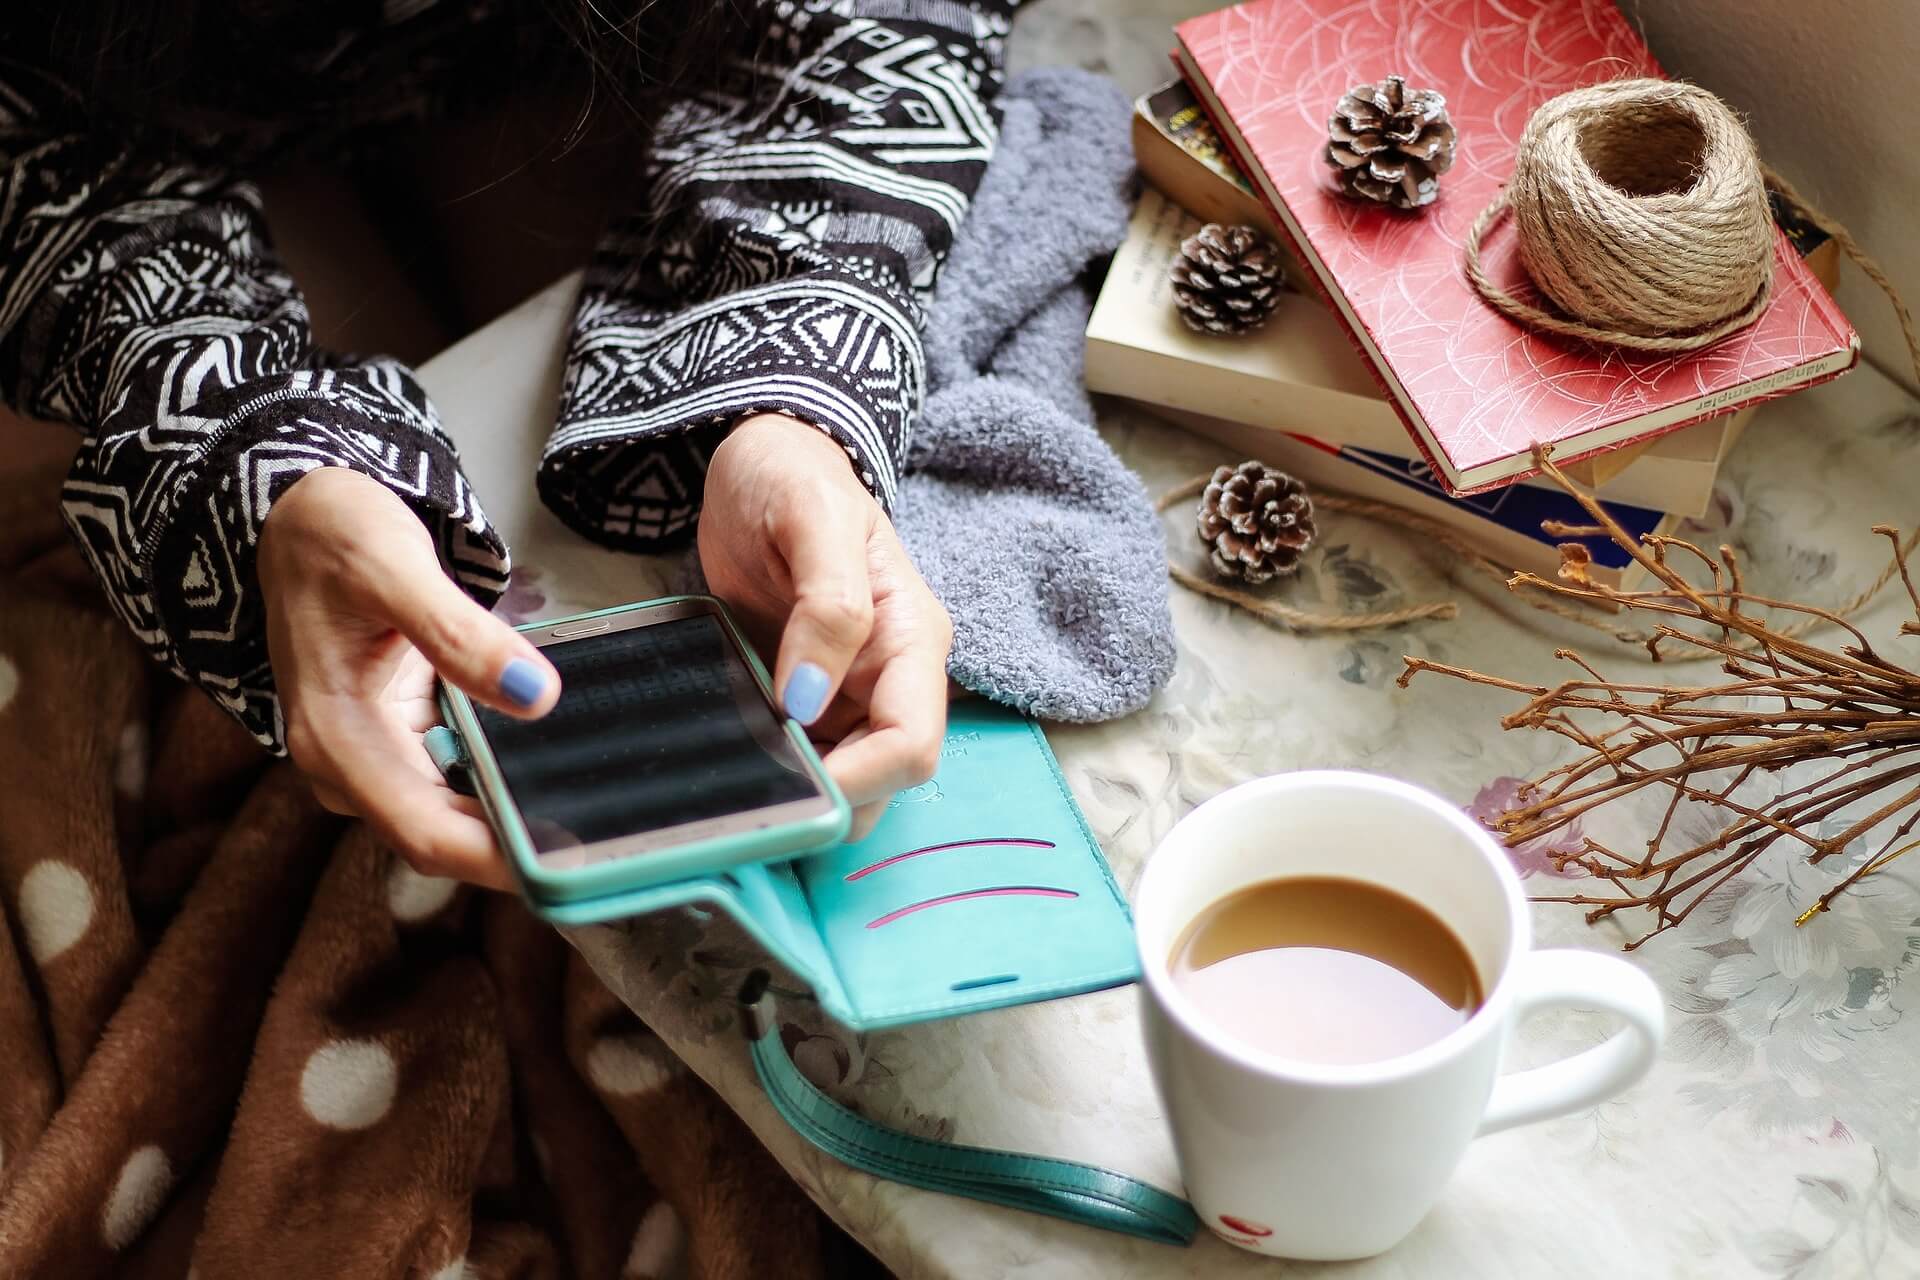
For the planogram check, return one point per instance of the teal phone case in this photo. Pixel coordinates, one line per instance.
(545, 889)
(980, 889)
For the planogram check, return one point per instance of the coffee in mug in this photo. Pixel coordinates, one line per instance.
(1324, 890)
(1326, 969)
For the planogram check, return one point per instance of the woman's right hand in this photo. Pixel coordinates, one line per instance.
(360, 617)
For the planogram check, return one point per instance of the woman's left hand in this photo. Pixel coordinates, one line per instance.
(799, 549)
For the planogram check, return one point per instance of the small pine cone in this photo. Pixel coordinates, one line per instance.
(1226, 279)
(1390, 144)
(1257, 520)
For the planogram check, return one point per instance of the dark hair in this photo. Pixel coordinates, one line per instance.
(178, 64)
(634, 62)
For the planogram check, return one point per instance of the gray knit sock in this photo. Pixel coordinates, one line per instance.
(1039, 540)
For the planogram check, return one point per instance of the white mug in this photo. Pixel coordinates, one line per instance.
(1305, 1160)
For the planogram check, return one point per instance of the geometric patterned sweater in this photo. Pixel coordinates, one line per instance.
(780, 259)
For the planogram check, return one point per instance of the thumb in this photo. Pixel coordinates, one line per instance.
(826, 554)
(470, 648)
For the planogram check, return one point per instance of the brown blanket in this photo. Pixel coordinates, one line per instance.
(237, 1036)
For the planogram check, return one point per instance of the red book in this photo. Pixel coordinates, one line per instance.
(1476, 390)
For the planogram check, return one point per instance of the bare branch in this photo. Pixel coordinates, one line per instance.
(1783, 702)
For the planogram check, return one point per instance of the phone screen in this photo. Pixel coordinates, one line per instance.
(657, 725)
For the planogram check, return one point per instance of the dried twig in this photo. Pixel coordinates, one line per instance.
(1849, 712)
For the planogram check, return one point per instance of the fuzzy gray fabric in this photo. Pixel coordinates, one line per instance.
(1040, 542)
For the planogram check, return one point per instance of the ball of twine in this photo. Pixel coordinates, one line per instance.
(1640, 209)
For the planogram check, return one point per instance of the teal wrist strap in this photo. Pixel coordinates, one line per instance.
(1059, 1188)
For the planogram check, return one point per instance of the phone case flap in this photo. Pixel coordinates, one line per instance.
(980, 889)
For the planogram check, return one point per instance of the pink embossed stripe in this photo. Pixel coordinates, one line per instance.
(1003, 891)
(884, 863)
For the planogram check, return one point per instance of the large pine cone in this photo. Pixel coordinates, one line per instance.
(1257, 520)
(1226, 279)
(1390, 144)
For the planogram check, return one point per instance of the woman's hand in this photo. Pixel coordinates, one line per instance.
(360, 616)
(793, 542)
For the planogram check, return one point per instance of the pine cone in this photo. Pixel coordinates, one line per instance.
(1390, 144)
(1226, 279)
(1258, 521)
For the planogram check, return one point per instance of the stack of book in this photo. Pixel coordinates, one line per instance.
(1383, 375)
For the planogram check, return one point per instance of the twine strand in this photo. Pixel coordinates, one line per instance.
(1856, 255)
(1873, 272)
(1434, 538)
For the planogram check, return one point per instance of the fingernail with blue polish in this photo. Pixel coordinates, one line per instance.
(806, 695)
(523, 682)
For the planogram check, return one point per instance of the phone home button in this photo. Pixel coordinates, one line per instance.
(570, 633)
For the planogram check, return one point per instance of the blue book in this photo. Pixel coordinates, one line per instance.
(1518, 509)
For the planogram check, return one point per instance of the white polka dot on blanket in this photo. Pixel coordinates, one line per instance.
(658, 1245)
(349, 1084)
(9, 680)
(137, 1195)
(413, 897)
(56, 906)
(629, 1064)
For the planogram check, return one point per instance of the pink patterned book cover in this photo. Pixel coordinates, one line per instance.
(1476, 390)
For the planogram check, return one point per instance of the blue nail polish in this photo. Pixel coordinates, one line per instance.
(806, 695)
(523, 682)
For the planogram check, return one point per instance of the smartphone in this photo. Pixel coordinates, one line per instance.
(665, 758)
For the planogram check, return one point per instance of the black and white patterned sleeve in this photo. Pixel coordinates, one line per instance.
(780, 261)
(141, 302)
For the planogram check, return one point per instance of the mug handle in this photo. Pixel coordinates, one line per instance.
(1583, 979)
